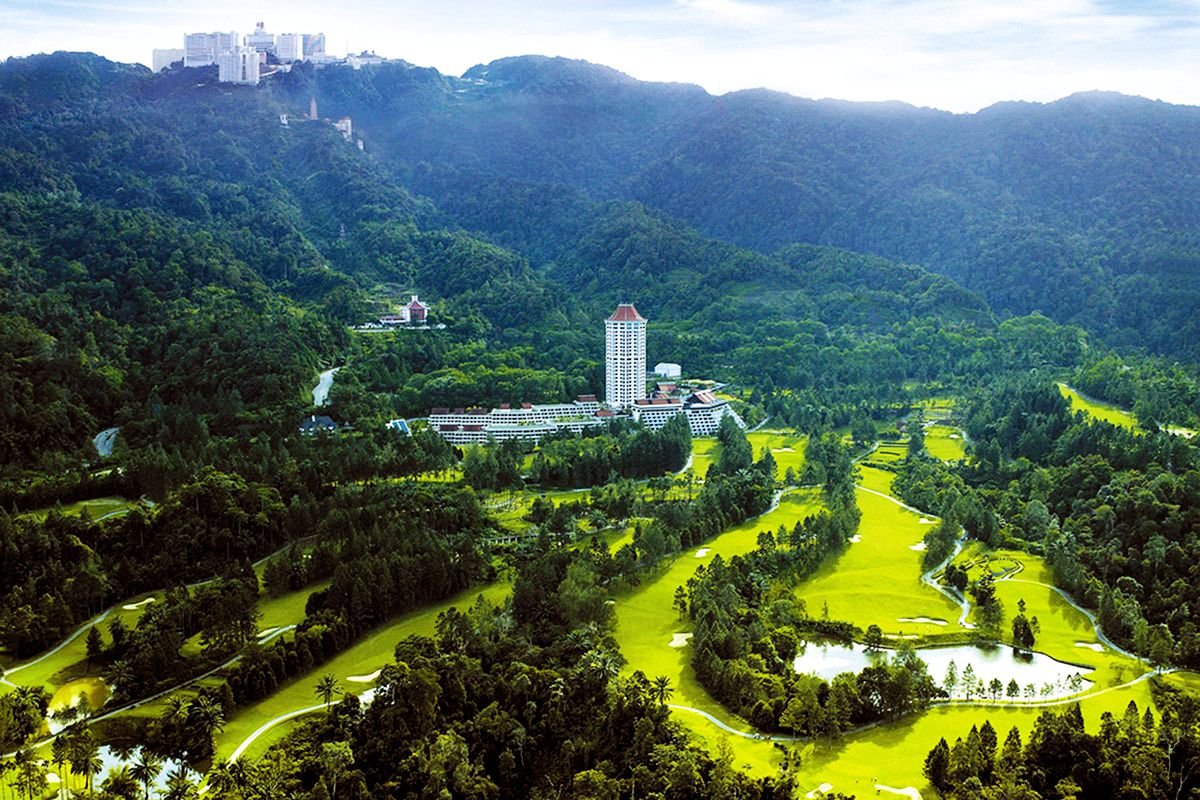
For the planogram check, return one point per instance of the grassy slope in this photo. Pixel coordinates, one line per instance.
(878, 579)
(1098, 409)
(945, 442)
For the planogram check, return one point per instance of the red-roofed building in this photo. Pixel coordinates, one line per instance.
(417, 311)
(624, 357)
(626, 313)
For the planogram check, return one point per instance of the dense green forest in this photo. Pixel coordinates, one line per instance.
(1081, 209)
(177, 263)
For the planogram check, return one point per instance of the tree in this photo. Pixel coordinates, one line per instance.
(950, 683)
(937, 766)
(1022, 632)
(874, 637)
(95, 645)
(327, 689)
(336, 758)
(681, 603)
(31, 775)
(662, 689)
(146, 769)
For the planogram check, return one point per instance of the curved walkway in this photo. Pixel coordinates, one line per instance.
(266, 726)
(1090, 617)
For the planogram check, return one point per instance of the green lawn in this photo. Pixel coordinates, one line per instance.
(1098, 409)
(647, 623)
(97, 508)
(786, 447)
(877, 580)
(945, 442)
(70, 662)
(369, 654)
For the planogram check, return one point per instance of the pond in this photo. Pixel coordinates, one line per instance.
(1039, 676)
(67, 695)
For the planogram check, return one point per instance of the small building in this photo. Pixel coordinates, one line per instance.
(317, 423)
(666, 369)
(400, 425)
(345, 127)
(163, 58)
(417, 311)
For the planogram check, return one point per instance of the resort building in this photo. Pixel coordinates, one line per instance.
(704, 412)
(624, 357)
(525, 421)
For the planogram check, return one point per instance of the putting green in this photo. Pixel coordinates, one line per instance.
(877, 580)
(1099, 409)
(945, 442)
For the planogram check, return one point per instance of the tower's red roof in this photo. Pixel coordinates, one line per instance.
(626, 313)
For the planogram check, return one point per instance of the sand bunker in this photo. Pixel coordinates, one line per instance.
(855, 539)
(824, 788)
(702, 552)
(782, 450)
(926, 620)
(138, 604)
(926, 521)
(907, 791)
(365, 678)
(680, 639)
(919, 547)
(954, 436)
(1099, 648)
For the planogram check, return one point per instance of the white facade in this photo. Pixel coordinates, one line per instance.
(161, 59)
(260, 40)
(666, 369)
(239, 66)
(289, 47)
(345, 127)
(624, 357)
(314, 44)
(529, 422)
(704, 413)
(203, 49)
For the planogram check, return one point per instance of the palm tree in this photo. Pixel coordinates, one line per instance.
(178, 785)
(60, 753)
(146, 769)
(662, 689)
(327, 689)
(205, 718)
(121, 784)
(225, 777)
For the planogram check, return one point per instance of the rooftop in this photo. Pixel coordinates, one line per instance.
(626, 313)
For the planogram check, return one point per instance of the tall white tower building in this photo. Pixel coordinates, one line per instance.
(624, 356)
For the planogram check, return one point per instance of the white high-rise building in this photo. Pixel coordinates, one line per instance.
(161, 59)
(261, 40)
(202, 49)
(624, 357)
(314, 44)
(289, 47)
(239, 65)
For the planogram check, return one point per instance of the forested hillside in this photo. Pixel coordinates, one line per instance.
(1083, 209)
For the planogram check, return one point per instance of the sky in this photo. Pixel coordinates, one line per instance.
(958, 55)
